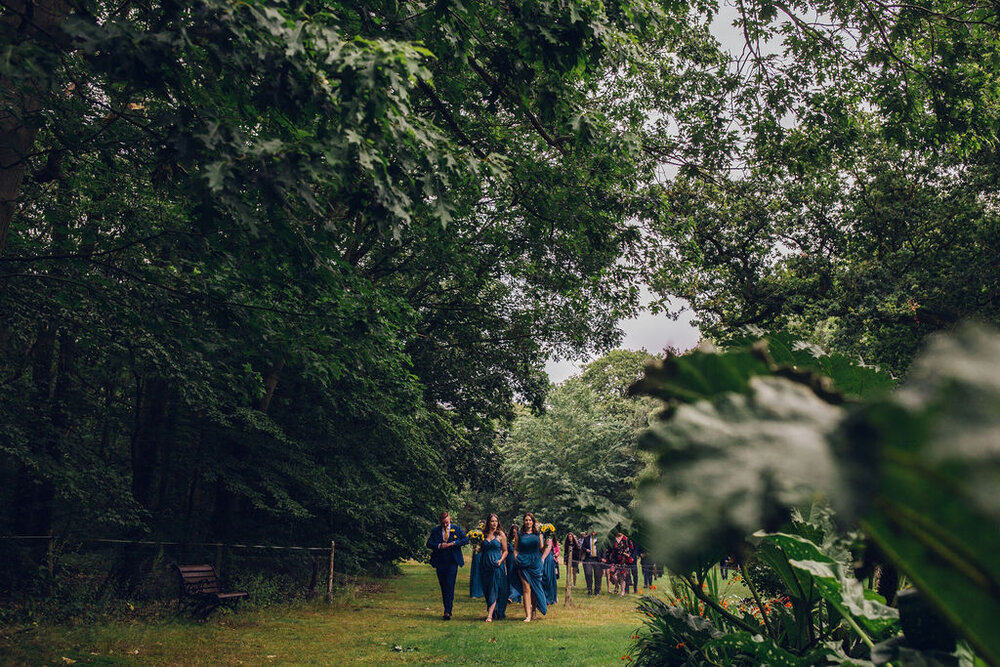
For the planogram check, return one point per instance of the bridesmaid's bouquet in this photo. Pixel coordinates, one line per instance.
(475, 536)
(547, 530)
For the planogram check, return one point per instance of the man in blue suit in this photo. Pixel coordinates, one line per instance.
(446, 542)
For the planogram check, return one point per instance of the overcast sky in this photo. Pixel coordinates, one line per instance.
(649, 332)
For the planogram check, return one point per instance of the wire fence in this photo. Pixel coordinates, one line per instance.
(92, 565)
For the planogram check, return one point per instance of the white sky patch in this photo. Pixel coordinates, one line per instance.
(649, 332)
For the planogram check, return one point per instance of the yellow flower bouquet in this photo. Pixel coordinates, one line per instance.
(475, 536)
(547, 529)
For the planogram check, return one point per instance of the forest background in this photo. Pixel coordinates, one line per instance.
(290, 272)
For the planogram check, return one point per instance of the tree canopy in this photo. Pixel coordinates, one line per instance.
(279, 270)
(575, 464)
(853, 194)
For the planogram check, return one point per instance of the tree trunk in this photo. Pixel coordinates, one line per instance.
(270, 383)
(228, 504)
(36, 20)
(152, 431)
(34, 494)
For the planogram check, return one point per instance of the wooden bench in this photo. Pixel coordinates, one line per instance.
(200, 590)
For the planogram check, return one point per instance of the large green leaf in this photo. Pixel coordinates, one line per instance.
(920, 468)
(742, 648)
(850, 377)
(734, 465)
(700, 375)
(811, 575)
(932, 454)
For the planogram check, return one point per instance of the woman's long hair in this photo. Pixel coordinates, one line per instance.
(534, 524)
(486, 526)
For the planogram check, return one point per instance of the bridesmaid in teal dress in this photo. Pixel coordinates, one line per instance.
(493, 571)
(513, 578)
(475, 584)
(550, 583)
(529, 554)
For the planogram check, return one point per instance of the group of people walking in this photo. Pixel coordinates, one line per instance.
(521, 565)
(518, 568)
(615, 565)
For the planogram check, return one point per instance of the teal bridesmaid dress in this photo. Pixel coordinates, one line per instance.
(493, 575)
(475, 583)
(550, 581)
(529, 562)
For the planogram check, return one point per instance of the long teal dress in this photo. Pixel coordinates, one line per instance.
(550, 579)
(493, 575)
(529, 562)
(475, 583)
(513, 578)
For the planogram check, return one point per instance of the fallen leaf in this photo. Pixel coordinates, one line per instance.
(68, 661)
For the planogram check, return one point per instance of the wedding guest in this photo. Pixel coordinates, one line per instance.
(726, 564)
(550, 573)
(591, 564)
(648, 570)
(633, 567)
(603, 571)
(571, 550)
(621, 561)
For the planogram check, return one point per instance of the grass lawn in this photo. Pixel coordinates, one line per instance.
(404, 612)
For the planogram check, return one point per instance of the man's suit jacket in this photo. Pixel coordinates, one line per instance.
(446, 557)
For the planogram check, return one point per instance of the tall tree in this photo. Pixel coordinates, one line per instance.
(575, 464)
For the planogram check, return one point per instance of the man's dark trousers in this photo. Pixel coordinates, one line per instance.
(446, 579)
(633, 575)
(589, 565)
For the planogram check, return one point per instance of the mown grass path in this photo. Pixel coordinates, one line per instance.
(405, 614)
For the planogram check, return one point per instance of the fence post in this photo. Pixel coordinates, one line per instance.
(329, 581)
(218, 560)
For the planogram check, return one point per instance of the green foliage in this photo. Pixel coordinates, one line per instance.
(916, 467)
(934, 475)
(278, 272)
(574, 465)
(844, 184)
(811, 575)
(734, 465)
(672, 636)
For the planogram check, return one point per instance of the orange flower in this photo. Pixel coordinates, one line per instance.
(653, 587)
(681, 645)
